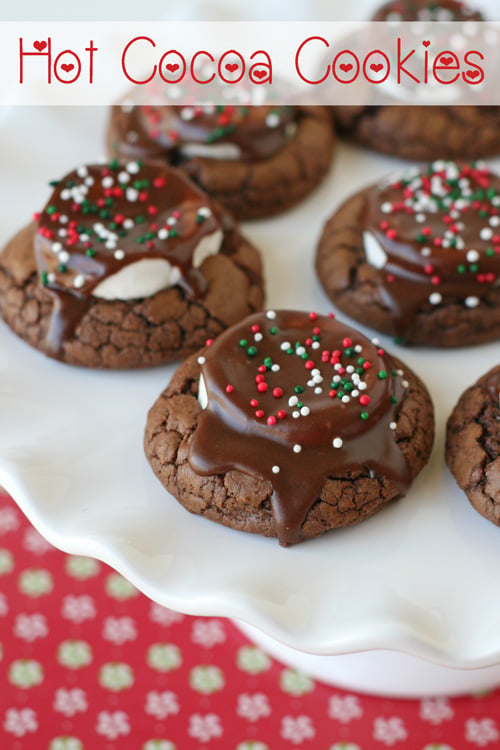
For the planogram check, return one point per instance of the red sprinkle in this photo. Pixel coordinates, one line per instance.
(364, 400)
(277, 392)
(271, 421)
(281, 414)
(262, 387)
(259, 414)
(254, 403)
(229, 388)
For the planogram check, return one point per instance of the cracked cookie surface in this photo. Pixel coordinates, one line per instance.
(473, 444)
(249, 188)
(247, 501)
(415, 256)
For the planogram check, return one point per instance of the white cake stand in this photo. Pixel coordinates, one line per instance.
(420, 578)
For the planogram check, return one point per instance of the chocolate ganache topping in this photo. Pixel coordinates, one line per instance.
(294, 398)
(427, 10)
(434, 235)
(226, 132)
(121, 231)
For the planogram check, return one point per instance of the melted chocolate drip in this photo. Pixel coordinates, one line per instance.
(415, 218)
(258, 132)
(101, 218)
(317, 418)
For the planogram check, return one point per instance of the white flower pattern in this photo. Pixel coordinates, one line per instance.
(253, 706)
(204, 727)
(296, 729)
(30, 627)
(161, 704)
(70, 702)
(389, 731)
(344, 708)
(481, 732)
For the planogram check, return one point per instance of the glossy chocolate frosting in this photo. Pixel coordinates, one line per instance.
(102, 218)
(252, 133)
(427, 10)
(440, 231)
(295, 398)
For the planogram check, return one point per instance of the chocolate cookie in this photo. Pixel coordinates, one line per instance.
(288, 425)
(423, 133)
(473, 444)
(256, 161)
(418, 256)
(127, 266)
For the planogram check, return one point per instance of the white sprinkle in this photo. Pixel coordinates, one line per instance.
(162, 233)
(337, 378)
(82, 171)
(349, 369)
(187, 113)
(362, 386)
(400, 373)
(305, 411)
(297, 448)
(205, 212)
(272, 120)
(107, 182)
(296, 414)
(276, 469)
(354, 394)
(201, 360)
(293, 401)
(123, 177)
(358, 348)
(275, 368)
(300, 350)
(62, 233)
(63, 219)
(110, 244)
(119, 254)
(89, 181)
(405, 384)
(128, 223)
(486, 233)
(132, 194)
(345, 399)
(376, 342)
(65, 194)
(270, 315)
(472, 256)
(425, 251)
(315, 345)
(79, 281)
(435, 298)
(318, 390)
(56, 247)
(338, 442)
(472, 302)
(386, 208)
(494, 221)
(258, 337)
(63, 256)
(84, 237)
(393, 426)
(285, 345)
(51, 277)
(132, 167)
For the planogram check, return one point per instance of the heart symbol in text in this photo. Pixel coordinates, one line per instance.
(232, 67)
(39, 45)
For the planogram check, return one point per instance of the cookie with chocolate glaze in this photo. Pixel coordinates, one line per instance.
(418, 256)
(288, 425)
(473, 444)
(423, 133)
(256, 161)
(127, 266)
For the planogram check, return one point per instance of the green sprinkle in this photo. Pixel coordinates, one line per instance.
(300, 404)
(348, 387)
(364, 415)
(299, 389)
(173, 233)
(252, 351)
(290, 351)
(104, 214)
(340, 394)
(273, 331)
(268, 362)
(90, 252)
(54, 183)
(474, 268)
(140, 219)
(304, 356)
(394, 400)
(243, 343)
(382, 375)
(62, 268)
(461, 269)
(361, 361)
(114, 164)
(51, 210)
(44, 278)
(349, 352)
(490, 252)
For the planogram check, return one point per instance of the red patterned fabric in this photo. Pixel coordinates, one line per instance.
(87, 662)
